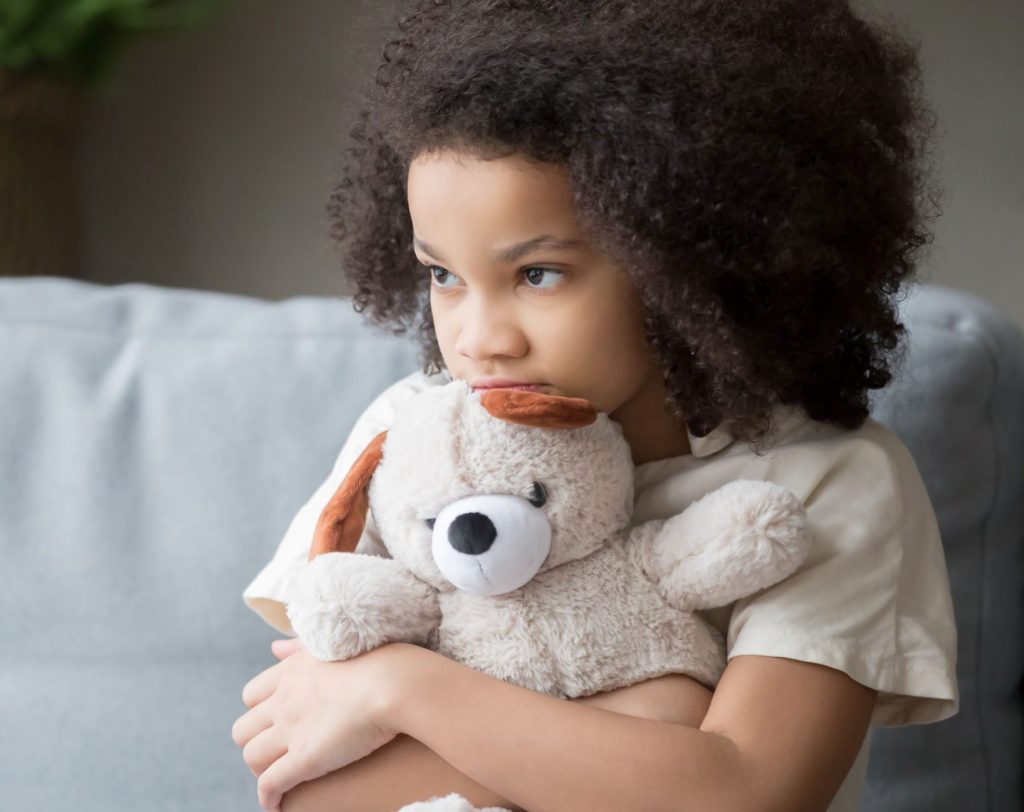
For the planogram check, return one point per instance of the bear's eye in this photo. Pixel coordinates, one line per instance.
(538, 495)
(430, 523)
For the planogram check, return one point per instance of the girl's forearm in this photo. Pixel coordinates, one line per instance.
(546, 754)
(401, 772)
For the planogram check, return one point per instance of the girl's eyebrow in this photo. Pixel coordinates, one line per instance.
(513, 252)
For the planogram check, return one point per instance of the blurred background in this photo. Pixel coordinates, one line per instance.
(208, 159)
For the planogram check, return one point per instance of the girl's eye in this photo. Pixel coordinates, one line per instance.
(439, 276)
(537, 278)
(537, 275)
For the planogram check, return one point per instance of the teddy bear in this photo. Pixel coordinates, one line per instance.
(507, 517)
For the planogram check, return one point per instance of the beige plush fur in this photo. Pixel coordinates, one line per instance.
(597, 604)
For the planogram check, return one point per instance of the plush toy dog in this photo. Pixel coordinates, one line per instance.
(507, 516)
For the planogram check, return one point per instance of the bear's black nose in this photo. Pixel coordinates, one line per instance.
(472, 533)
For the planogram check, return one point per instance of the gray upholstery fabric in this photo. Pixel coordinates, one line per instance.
(959, 407)
(155, 443)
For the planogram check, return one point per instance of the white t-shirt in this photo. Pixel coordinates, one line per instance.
(872, 598)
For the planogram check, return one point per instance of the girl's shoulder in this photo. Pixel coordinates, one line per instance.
(412, 383)
(871, 456)
(380, 413)
(872, 598)
(804, 453)
(267, 593)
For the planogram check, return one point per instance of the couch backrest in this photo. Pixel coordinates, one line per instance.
(154, 445)
(958, 405)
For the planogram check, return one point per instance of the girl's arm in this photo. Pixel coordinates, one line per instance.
(406, 770)
(780, 734)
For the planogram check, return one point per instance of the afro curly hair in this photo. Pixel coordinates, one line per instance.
(757, 166)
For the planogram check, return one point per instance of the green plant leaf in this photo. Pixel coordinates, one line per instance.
(81, 40)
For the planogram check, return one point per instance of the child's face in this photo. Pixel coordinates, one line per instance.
(567, 318)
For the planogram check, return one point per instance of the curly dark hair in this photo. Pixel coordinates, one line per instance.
(757, 166)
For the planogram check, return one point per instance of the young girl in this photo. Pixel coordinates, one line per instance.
(695, 214)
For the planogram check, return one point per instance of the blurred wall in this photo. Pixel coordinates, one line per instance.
(211, 164)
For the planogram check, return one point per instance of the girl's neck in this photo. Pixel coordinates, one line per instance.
(652, 431)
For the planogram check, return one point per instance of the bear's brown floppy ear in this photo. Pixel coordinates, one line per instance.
(537, 409)
(342, 521)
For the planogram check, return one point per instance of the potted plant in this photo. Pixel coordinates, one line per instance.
(55, 54)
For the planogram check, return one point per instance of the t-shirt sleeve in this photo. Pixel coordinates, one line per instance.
(872, 599)
(266, 594)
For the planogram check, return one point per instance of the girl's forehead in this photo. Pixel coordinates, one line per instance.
(503, 201)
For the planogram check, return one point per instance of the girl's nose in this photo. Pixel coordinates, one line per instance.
(487, 331)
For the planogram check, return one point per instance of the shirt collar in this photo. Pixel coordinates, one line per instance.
(715, 440)
(785, 418)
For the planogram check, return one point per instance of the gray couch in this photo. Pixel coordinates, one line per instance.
(155, 443)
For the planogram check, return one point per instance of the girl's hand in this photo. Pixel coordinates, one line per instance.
(310, 717)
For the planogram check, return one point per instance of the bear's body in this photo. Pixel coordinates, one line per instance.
(591, 625)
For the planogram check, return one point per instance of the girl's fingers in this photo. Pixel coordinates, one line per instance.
(261, 686)
(249, 725)
(285, 648)
(263, 750)
(277, 779)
